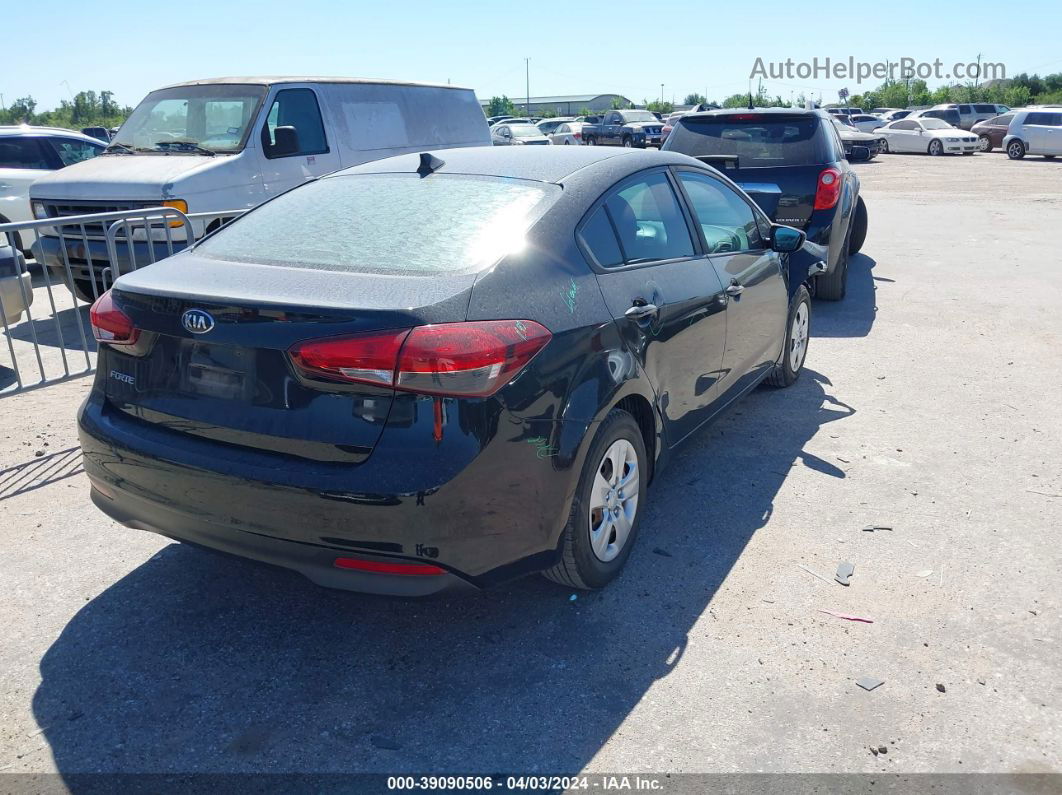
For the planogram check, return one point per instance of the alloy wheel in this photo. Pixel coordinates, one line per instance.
(798, 337)
(983, 143)
(613, 500)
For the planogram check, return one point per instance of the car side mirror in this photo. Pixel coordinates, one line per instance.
(285, 141)
(859, 154)
(786, 239)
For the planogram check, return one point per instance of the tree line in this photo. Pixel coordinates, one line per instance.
(86, 109)
(1015, 92)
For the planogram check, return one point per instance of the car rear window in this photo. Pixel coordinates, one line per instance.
(985, 108)
(756, 140)
(387, 223)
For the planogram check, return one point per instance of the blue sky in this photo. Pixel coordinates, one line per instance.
(575, 46)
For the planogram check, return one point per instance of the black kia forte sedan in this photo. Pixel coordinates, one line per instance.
(438, 370)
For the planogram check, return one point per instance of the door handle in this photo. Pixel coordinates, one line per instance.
(642, 310)
(735, 289)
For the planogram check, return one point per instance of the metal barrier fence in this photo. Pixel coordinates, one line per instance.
(84, 254)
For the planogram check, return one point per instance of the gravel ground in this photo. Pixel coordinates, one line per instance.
(929, 407)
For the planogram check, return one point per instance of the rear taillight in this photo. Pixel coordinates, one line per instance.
(471, 359)
(381, 567)
(829, 189)
(577, 135)
(110, 324)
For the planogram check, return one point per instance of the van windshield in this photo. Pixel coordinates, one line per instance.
(191, 119)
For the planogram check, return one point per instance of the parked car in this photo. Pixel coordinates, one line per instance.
(927, 135)
(794, 165)
(549, 126)
(851, 137)
(492, 120)
(231, 143)
(971, 113)
(27, 154)
(99, 133)
(865, 122)
(882, 111)
(669, 124)
(570, 133)
(496, 406)
(510, 134)
(630, 128)
(991, 132)
(895, 115)
(947, 115)
(845, 111)
(1034, 132)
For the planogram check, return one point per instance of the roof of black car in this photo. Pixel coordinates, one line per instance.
(540, 163)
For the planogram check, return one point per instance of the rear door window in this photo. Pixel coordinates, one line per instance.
(758, 140)
(19, 152)
(296, 107)
(649, 221)
(985, 108)
(387, 223)
(599, 238)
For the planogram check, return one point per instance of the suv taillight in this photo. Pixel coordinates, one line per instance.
(829, 189)
(473, 359)
(110, 324)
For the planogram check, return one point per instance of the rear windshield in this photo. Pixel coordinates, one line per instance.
(756, 142)
(525, 131)
(388, 223)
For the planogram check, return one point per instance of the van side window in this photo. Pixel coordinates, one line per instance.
(295, 107)
(18, 152)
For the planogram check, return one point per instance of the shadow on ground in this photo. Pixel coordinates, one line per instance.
(198, 662)
(40, 471)
(68, 329)
(854, 315)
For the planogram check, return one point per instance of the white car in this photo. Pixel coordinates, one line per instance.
(928, 135)
(1034, 131)
(27, 154)
(865, 122)
(549, 126)
(570, 133)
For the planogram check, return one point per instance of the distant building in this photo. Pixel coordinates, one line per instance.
(568, 105)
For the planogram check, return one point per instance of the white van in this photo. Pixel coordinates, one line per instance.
(231, 143)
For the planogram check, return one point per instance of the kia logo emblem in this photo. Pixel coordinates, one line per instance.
(197, 321)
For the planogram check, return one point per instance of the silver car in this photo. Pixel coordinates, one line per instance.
(505, 134)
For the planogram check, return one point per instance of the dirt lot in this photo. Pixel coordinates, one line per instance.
(930, 406)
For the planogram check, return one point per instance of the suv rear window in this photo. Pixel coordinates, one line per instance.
(756, 140)
(985, 108)
(387, 223)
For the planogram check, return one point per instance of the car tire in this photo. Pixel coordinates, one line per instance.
(1016, 149)
(936, 148)
(628, 142)
(795, 343)
(567, 142)
(833, 285)
(984, 143)
(883, 146)
(1049, 157)
(591, 560)
(859, 228)
(83, 290)
(590, 141)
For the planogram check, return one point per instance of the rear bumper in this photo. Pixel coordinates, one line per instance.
(316, 563)
(484, 511)
(16, 293)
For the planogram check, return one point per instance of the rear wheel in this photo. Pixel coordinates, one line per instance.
(884, 146)
(590, 141)
(984, 143)
(936, 148)
(795, 345)
(833, 285)
(603, 522)
(1049, 157)
(1016, 150)
(859, 228)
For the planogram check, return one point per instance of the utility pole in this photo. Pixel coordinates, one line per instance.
(527, 76)
(661, 93)
(977, 80)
